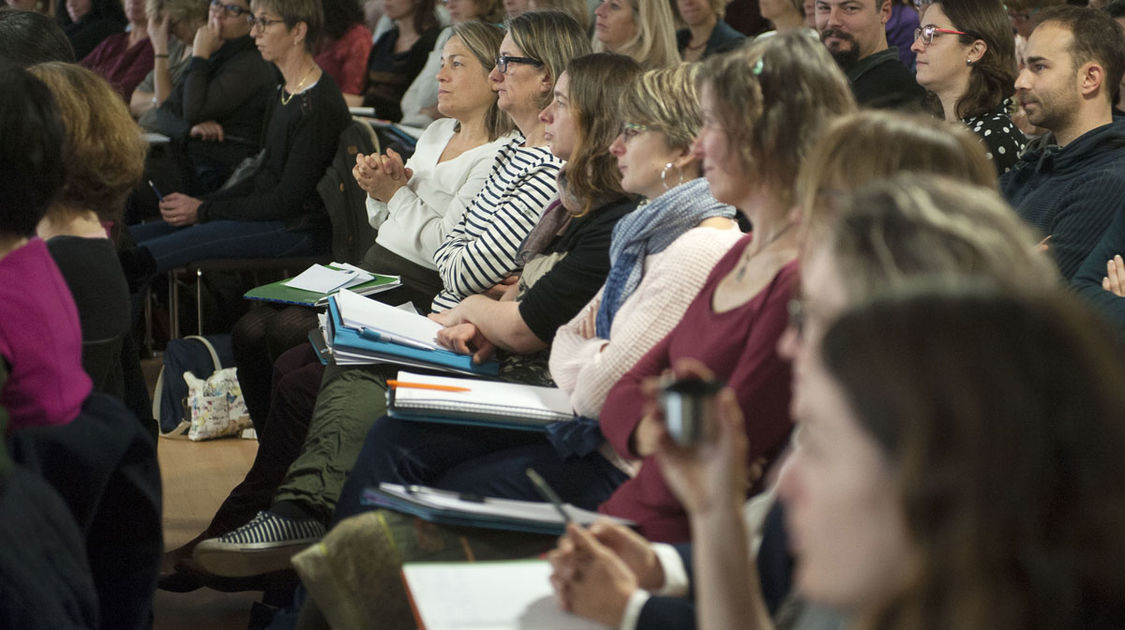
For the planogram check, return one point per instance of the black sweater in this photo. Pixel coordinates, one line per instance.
(300, 141)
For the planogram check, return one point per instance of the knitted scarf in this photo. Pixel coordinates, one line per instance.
(650, 229)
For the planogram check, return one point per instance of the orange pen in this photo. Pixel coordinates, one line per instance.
(439, 388)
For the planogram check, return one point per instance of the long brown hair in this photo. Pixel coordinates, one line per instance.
(598, 83)
(1003, 418)
(993, 76)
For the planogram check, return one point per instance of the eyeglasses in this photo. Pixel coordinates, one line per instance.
(261, 22)
(928, 32)
(231, 10)
(630, 130)
(503, 60)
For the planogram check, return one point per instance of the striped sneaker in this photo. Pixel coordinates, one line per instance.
(263, 545)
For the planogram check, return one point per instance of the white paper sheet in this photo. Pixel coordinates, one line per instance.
(488, 595)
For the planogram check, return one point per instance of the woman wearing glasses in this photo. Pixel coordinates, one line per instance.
(274, 210)
(966, 61)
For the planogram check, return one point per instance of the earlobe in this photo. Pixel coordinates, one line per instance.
(1092, 78)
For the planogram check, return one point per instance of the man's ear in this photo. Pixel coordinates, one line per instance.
(885, 11)
(1091, 77)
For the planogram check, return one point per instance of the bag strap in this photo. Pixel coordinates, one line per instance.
(210, 349)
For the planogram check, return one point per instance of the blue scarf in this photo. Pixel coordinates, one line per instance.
(648, 230)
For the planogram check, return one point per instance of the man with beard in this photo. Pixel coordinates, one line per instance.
(1070, 182)
(855, 33)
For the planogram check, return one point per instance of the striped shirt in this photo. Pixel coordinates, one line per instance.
(481, 249)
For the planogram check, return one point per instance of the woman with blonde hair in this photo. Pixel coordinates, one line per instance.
(705, 33)
(784, 14)
(641, 29)
(103, 157)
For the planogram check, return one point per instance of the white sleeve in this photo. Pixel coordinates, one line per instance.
(633, 609)
(676, 582)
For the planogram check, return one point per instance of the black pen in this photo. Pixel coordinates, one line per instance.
(159, 197)
(548, 493)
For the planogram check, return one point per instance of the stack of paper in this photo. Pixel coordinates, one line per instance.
(324, 279)
(511, 595)
(360, 331)
(489, 403)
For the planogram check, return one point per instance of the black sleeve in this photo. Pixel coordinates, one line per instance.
(556, 297)
(208, 96)
(1088, 280)
(667, 613)
(308, 145)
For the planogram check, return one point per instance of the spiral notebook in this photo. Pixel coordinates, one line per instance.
(487, 403)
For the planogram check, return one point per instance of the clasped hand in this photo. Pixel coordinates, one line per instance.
(381, 175)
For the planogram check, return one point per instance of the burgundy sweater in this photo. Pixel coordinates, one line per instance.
(740, 346)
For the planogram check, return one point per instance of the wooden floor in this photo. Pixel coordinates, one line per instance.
(197, 477)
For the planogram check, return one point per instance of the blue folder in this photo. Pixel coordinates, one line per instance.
(349, 339)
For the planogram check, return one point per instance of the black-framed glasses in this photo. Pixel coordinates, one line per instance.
(231, 10)
(261, 22)
(926, 33)
(632, 130)
(503, 60)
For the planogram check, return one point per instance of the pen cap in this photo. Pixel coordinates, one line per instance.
(689, 410)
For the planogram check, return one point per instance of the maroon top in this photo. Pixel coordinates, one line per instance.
(345, 59)
(740, 346)
(122, 66)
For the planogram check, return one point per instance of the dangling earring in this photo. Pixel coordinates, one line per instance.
(664, 175)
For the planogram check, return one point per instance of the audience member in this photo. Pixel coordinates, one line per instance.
(40, 333)
(854, 150)
(859, 487)
(784, 15)
(854, 32)
(479, 254)
(344, 45)
(214, 115)
(900, 28)
(275, 210)
(398, 56)
(642, 30)
(103, 156)
(28, 38)
(1070, 183)
(172, 25)
(86, 24)
(1116, 10)
(124, 59)
(978, 90)
(419, 103)
(706, 33)
(1022, 14)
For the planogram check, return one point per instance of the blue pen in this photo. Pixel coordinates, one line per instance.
(159, 196)
(375, 335)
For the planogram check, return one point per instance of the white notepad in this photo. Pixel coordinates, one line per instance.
(485, 400)
(512, 595)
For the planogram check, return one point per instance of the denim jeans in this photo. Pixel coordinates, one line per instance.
(173, 247)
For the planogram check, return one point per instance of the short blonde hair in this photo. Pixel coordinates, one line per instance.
(103, 153)
(873, 144)
(654, 45)
(668, 100)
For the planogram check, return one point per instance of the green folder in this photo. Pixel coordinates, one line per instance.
(281, 293)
